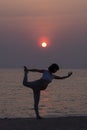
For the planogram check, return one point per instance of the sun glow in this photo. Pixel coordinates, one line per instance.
(44, 42)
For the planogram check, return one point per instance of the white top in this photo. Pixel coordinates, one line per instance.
(47, 76)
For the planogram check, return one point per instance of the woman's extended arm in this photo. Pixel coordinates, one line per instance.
(64, 77)
(36, 70)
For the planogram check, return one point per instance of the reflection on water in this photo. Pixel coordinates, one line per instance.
(61, 98)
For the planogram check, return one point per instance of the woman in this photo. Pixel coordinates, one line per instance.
(42, 83)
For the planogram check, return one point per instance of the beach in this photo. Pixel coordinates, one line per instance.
(63, 105)
(56, 123)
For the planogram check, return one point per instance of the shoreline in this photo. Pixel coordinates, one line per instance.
(55, 123)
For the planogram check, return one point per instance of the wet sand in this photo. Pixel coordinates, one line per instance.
(57, 123)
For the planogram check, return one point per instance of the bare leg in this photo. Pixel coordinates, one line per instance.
(36, 92)
(25, 80)
(36, 103)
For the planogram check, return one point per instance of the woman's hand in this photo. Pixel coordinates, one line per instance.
(69, 74)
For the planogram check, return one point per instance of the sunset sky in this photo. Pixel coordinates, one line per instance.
(24, 24)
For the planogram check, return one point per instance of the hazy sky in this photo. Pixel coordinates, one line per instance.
(61, 23)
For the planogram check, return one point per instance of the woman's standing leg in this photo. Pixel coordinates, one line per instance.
(36, 103)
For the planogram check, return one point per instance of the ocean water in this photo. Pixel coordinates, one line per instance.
(66, 97)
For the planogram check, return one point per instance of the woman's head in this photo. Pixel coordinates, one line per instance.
(53, 68)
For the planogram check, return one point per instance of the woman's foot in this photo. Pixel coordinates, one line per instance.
(39, 117)
(25, 69)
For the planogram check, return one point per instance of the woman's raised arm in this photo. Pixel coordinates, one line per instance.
(63, 77)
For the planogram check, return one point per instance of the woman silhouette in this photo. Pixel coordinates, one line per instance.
(42, 83)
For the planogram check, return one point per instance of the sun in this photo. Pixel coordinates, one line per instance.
(44, 44)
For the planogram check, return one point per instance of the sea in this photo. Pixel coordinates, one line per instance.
(66, 97)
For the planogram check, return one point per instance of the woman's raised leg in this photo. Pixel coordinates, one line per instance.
(25, 80)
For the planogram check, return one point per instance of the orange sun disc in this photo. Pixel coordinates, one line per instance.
(44, 44)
